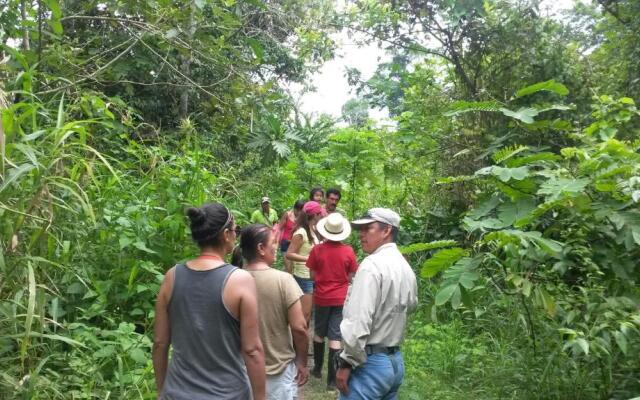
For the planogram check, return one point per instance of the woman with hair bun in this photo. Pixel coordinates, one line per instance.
(207, 311)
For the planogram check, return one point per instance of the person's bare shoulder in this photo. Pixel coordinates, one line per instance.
(166, 288)
(240, 277)
(170, 272)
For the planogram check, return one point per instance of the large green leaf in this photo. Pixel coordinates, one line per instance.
(463, 272)
(510, 212)
(445, 293)
(56, 14)
(441, 260)
(484, 208)
(460, 107)
(457, 283)
(525, 239)
(556, 187)
(417, 247)
(140, 245)
(583, 345)
(544, 299)
(621, 341)
(505, 174)
(524, 114)
(138, 355)
(16, 173)
(549, 86)
(530, 159)
(482, 224)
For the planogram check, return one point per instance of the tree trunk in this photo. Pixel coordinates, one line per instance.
(3, 104)
(25, 30)
(186, 63)
(40, 18)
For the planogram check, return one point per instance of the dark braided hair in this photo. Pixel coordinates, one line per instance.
(208, 222)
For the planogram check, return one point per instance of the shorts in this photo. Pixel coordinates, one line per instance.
(283, 386)
(327, 321)
(305, 284)
(284, 246)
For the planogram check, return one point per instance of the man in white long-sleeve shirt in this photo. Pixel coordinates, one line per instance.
(383, 292)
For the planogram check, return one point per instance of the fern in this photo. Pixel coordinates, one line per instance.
(507, 152)
(549, 86)
(525, 160)
(416, 247)
(460, 107)
(524, 114)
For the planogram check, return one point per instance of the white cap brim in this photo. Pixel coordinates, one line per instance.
(363, 221)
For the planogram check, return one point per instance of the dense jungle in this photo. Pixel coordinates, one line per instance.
(511, 151)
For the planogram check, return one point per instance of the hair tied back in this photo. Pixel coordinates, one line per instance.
(196, 216)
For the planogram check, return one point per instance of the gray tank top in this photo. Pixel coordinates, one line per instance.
(207, 361)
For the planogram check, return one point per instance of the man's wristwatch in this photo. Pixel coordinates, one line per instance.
(342, 363)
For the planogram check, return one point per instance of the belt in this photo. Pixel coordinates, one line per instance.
(374, 348)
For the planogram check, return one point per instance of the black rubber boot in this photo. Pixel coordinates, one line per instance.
(318, 358)
(331, 368)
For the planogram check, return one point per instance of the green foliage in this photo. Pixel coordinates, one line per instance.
(460, 107)
(441, 260)
(523, 215)
(416, 247)
(549, 86)
(566, 235)
(523, 114)
(506, 153)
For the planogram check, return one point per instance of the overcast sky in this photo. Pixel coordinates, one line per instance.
(332, 89)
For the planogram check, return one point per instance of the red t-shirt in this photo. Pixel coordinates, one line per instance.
(331, 263)
(287, 229)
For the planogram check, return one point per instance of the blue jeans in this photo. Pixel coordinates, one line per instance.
(305, 284)
(284, 246)
(377, 379)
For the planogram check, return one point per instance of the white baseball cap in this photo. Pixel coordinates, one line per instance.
(378, 214)
(265, 199)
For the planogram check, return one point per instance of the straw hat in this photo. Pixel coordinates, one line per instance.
(334, 227)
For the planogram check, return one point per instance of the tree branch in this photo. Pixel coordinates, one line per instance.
(116, 58)
(176, 70)
(606, 5)
(416, 48)
(144, 24)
